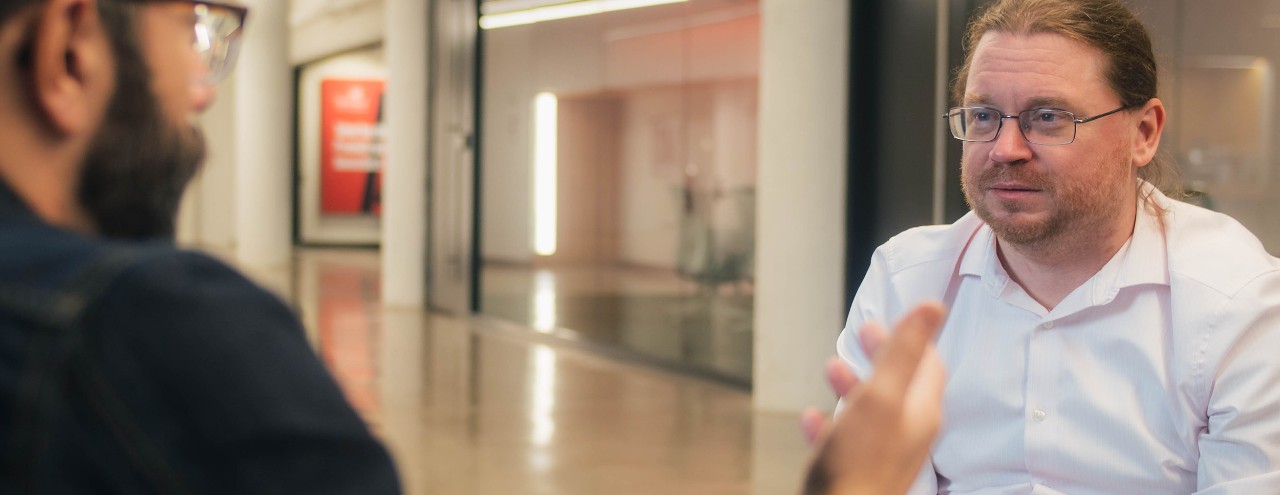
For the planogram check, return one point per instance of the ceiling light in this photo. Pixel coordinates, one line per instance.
(564, 11)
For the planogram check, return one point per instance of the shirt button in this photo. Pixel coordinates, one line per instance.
(1047, 324)
(1038, 415)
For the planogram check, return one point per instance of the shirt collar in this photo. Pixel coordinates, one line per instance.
(980, 260)
(1146, 261)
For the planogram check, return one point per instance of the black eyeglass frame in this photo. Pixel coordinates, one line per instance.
(1075, 128)
(241, 11)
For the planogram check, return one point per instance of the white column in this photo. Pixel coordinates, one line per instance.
(218, 179)
(801, 229)
(404, 180)
(264, 115)
(205, 221)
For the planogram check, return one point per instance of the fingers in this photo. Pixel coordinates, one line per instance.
(871, 336)
(900, 357)
(840, 377)
(814, 424)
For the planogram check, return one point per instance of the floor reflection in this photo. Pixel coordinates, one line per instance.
(652, 313)
(470, 406)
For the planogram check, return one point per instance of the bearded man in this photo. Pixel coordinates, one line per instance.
(1102, 336)
(127, 365)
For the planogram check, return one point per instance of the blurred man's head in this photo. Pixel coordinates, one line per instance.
(112, 87)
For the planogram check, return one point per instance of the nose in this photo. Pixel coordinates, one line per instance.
(202, 96)
(1010, 146)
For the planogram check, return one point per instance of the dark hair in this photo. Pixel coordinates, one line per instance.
(10, 7)
(1107, 25)
(116, 18)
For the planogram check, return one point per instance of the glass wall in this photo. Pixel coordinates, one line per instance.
(1219, 62)
(618, 177)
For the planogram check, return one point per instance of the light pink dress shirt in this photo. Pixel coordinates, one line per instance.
(1161, 374)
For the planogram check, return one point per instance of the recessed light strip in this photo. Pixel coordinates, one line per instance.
(544, 174)
(564, 11)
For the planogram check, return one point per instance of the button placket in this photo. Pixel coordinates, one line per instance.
(1042, 367)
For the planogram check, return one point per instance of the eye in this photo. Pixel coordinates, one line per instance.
(982, 115)
(1049, 116)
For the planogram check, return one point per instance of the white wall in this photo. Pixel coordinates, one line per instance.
(218, 178)
(321, 28)
(207, 218)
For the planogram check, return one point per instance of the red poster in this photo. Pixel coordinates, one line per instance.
(351, 147)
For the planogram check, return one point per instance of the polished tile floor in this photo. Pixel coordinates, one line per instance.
(479, 406)
(650, 314)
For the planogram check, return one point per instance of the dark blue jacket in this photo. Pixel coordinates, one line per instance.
(141, 368)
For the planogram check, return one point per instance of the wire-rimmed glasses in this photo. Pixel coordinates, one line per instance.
(1043, 126)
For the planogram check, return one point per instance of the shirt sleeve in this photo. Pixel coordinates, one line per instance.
(1240, 444)
(868, 305)
(221, 373)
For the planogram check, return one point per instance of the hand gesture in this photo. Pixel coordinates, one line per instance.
(883, 435)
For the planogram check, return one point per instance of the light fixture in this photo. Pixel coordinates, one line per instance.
(544, 174)
(493, 17)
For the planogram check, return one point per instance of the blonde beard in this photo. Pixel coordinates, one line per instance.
(1080, 209)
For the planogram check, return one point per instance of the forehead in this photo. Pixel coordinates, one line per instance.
(1013, 69)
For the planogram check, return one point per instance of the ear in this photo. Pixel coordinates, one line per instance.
(1146, 141)
(71, 67)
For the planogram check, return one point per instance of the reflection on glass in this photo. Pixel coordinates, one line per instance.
(544, 301)
(1219, 87)
(1224, 145)
(640, 198)
(543, 374)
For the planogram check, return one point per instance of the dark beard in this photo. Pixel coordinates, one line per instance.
(138, 165)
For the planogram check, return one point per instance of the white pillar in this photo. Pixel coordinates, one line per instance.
(218, 179)
(801, 230)
(404, 180)
(264, 115)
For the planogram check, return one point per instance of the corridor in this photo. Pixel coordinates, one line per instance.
(480, 406)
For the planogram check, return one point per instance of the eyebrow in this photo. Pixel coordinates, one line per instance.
(1048, 101)
(1036, 102)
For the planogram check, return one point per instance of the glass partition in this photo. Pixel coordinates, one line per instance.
(1218, 63)
(618, 178)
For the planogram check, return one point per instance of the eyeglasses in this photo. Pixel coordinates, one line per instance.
(218, 27)
(1043, 126)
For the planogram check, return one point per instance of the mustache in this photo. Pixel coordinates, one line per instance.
(1021, 174)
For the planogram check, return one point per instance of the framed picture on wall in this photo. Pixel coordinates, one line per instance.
(340, 149)
(351, 148)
